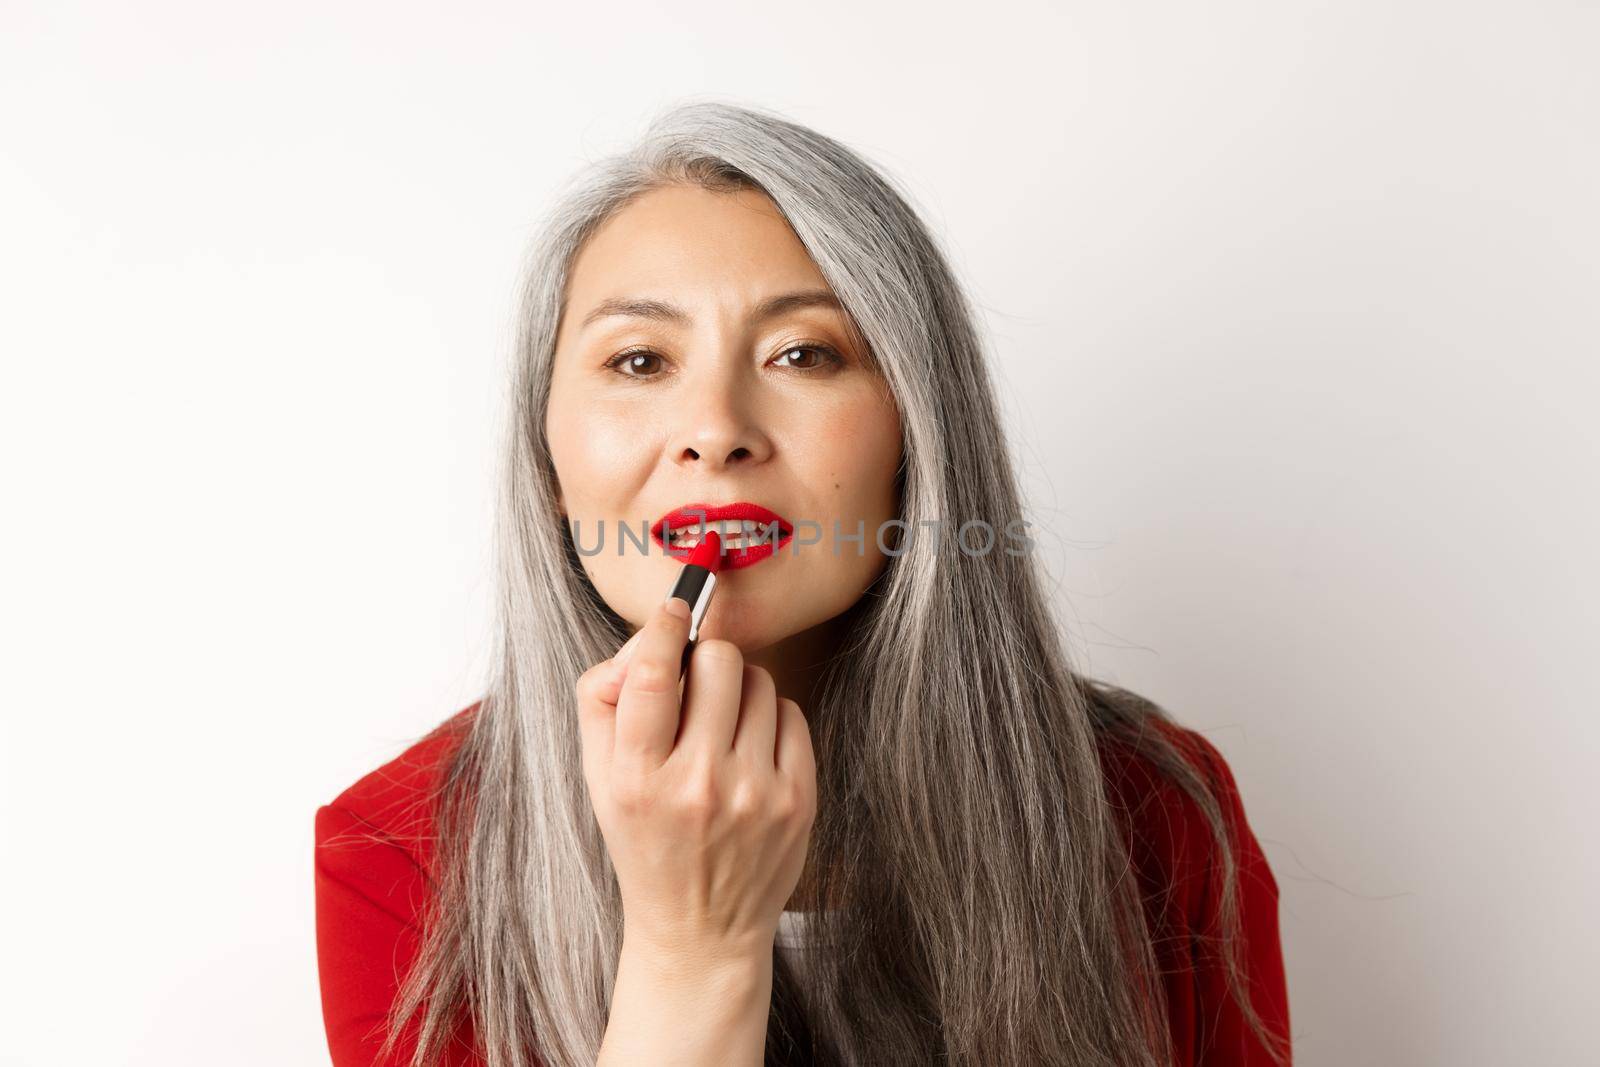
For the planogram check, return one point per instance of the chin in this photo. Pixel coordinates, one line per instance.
(742, 627)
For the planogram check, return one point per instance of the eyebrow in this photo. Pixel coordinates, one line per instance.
(662, 311)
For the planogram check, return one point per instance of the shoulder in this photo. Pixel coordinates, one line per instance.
(373, 883)
(1180, 862)
(1134, 776)
(1172, 842)
(394, 803)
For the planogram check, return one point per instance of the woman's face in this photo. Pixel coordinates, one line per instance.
(718, 404)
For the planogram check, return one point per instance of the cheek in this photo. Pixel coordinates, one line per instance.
(589, 450)
(864, 461)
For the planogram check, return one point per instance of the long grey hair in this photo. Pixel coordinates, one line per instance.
(962, 809)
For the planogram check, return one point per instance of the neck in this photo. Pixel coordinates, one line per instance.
(797, 664)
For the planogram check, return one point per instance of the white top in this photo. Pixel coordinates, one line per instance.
(793, 930)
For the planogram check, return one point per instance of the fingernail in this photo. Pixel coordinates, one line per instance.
(678, 606)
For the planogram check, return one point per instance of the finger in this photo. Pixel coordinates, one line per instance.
(648, 706)
(795, 757)
(611, 672)
(597, 690)
(620, 657)
(756, 739)
(711, 698)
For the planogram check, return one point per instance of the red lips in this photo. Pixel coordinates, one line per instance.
(732, 558)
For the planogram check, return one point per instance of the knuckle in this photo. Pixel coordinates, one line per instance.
(804, 798)
(759, 681)
(799, 798)
(652, 676)
(716, 650)
(628, 794)
(808, 804)
(698, 800)
(746, 801)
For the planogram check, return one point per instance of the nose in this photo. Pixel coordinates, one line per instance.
(720, 423)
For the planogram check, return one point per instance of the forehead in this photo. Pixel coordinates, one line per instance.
(690, 243)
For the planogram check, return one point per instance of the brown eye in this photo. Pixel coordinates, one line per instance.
(629, 364)
(821, 357)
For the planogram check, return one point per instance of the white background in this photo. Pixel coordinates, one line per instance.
(1294, 315)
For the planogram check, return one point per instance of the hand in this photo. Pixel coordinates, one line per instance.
(705, 800)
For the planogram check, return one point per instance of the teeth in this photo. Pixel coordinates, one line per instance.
(734, 533)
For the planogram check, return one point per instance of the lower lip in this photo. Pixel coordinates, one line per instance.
(734, 558)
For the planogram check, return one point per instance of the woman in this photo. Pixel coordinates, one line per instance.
(880, 759)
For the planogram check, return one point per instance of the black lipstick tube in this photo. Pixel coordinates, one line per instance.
(694, 587)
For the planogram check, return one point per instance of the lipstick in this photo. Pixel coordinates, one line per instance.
(765, 534)
(694, 586)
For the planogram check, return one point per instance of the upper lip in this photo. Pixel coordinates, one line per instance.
(691, 514)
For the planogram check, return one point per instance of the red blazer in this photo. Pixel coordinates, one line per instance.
(368, 894)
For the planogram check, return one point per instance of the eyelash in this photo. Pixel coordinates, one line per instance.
(835, 359)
